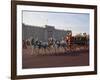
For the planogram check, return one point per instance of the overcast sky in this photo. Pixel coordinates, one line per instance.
(77, 22)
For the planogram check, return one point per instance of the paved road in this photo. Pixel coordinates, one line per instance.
(31, 61)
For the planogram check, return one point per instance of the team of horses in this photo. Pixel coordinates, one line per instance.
(51, 47)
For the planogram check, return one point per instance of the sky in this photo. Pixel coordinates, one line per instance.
(77, 22)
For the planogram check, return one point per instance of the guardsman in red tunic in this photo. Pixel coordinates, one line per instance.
(68, 40)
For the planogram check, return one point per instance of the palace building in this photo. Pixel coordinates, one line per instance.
(43, 34)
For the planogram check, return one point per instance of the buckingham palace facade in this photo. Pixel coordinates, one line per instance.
(43, 33)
